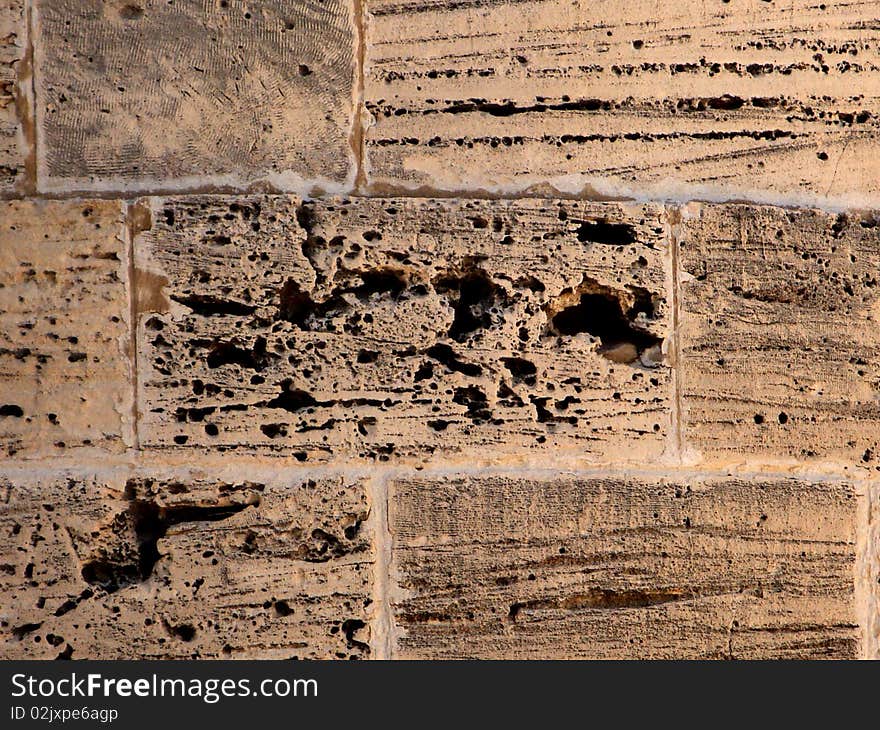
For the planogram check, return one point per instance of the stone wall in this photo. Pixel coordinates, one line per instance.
(375, 329)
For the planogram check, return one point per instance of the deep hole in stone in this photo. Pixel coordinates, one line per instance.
(292, 399)
(615, 234)
(380, 281)
(445, 354)
(349, 628)
(474, 295)
(602, 313)
(206, 305)
(150, 523)
(520, 369)
(228, 353)
(295, 305)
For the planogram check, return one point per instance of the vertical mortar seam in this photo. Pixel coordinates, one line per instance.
(380, 639)
(32, 175)
(673, 217)
(865, 570)
(358, 131)
(133, 325)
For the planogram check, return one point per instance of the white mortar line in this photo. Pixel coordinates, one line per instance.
(867, 573)
(381, 629)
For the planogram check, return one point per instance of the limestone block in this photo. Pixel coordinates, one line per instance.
(14, 82)
(779, 334)
(506, 567)
(110, 566)
(383, 328)
(65, 349)
(668, 99)
(148, 93)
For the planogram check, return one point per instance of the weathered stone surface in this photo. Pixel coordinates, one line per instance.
(615, 568)
(753, 97)
(779, 334)
(64, 327)
(113, 567)
(153, 93)
(13, 41)
(383, 328)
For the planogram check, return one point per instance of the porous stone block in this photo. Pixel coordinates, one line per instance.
(115, 566)
(147, 93)
(779, 334)
(382, 328)
(668, 100)
(617, 568)
(65, 350)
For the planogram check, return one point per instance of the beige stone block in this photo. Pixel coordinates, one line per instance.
(779, 335)
(606, 567)
(188, 566)
(65, 354)
(675, 99)
(14, 88)
(153, 94)
(386, 328)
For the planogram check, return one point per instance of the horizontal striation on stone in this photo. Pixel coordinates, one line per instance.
(780, 346)
(611, 567)
(748, 98)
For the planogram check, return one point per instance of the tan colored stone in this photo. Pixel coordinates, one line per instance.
(64, 327)
(189, 566)
(151, 93)
(779, 334)
(753, 98)
(383, 328)
(13, 42)
(511, 568)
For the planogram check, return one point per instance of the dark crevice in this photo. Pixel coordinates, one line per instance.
(292, 399)
(476, 300)
(228, 353)
(322, 546)
(379, 281)
(207, 305)
(350, 627)
(521, 369)
(611, 316)
(601, 599)
(298, 307)
(447, 356)
(184, 632)
(509, 108)
(475, 401)
(601, 231)
(295, 399)
(295, 305)
(125, 563)
(19, 632)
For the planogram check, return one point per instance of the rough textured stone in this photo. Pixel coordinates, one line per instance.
(397, 327)
(156, 92)
(779, 333)
(64, 327)
(614, 568)
(13, 41)
(753, 97)
(113, 567)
